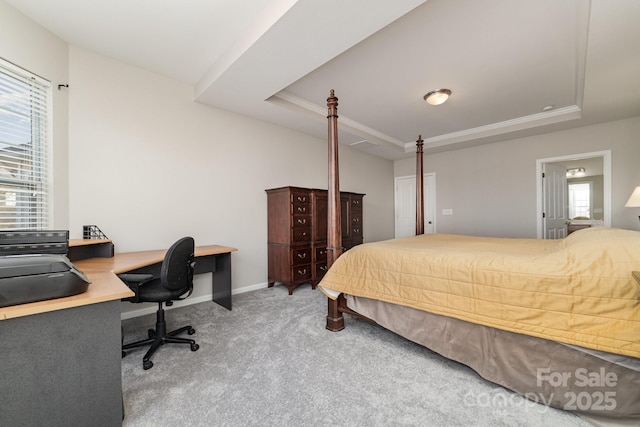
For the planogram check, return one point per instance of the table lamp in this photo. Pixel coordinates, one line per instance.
(634, 199)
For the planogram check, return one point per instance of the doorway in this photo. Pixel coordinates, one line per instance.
(597, 171)
(405, 205)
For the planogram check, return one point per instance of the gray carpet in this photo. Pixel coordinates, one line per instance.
(271, 362)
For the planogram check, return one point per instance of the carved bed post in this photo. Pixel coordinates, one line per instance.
(419, 188)
(335, 320)
(334, 231)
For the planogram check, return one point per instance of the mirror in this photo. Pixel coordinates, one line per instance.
(585, 181)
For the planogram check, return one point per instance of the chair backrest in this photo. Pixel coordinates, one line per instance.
(177, 266)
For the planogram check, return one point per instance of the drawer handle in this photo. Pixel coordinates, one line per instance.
(302, 221)
(302, 272)
(302, 199)
(356, 220)
(356, 202)
(323, 252)
(302, 209)
(302, 255)
(356, 230)
(323, 267)
(304, 233)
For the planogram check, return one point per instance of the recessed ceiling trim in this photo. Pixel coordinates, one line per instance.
(281, 51)
(581, 52)
(364, 141)
(534, 120)
(260, 26)
(347, 124)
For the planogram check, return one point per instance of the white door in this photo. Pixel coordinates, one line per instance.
(554, 199)
(405, 205)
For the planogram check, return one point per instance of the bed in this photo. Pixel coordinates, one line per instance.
(557, 321)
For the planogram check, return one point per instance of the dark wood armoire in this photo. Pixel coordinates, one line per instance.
(297, 233)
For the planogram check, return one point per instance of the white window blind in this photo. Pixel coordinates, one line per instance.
(24, 104)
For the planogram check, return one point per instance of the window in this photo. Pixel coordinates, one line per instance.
(580, 200)
(24, 103)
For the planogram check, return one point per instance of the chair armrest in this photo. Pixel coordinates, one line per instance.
(135, 277)
(134, 281)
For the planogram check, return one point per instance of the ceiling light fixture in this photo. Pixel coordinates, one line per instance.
(572, 173)
(437, 97)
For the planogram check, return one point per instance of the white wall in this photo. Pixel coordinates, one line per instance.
(148, 165)
(492, 188)
(26, 44)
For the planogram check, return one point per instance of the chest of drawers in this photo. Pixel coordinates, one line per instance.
(297, 233)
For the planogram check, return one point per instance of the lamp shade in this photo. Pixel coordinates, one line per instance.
(634, 200)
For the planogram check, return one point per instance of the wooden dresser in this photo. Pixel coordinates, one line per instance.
(297, 233)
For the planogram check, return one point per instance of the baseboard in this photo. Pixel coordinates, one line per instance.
(189, 301)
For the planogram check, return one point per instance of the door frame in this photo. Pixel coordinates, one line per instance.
(606, 177)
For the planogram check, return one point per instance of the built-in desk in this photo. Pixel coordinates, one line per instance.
(60, 359)
(214, 259)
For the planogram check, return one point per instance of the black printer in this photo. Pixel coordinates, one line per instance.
(34, 267)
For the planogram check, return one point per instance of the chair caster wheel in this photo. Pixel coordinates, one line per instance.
(147, 365)
(191, 331)
(194, 347)
(151, 333)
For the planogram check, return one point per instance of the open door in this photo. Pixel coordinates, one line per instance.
(554, 195)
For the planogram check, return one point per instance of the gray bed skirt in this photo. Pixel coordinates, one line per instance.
(550, 373)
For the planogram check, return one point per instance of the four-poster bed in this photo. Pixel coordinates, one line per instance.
(555, 321)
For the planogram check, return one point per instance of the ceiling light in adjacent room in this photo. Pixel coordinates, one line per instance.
(575, 172)
(437, 97)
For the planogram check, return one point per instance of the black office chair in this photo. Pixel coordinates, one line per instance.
(176, 280)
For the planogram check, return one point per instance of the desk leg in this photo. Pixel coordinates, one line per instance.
(221, 280)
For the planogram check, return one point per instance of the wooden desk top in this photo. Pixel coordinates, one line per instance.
(636, 275)
(128, 261)
(105, 285)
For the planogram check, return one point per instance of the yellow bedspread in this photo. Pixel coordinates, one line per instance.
(578, 290)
